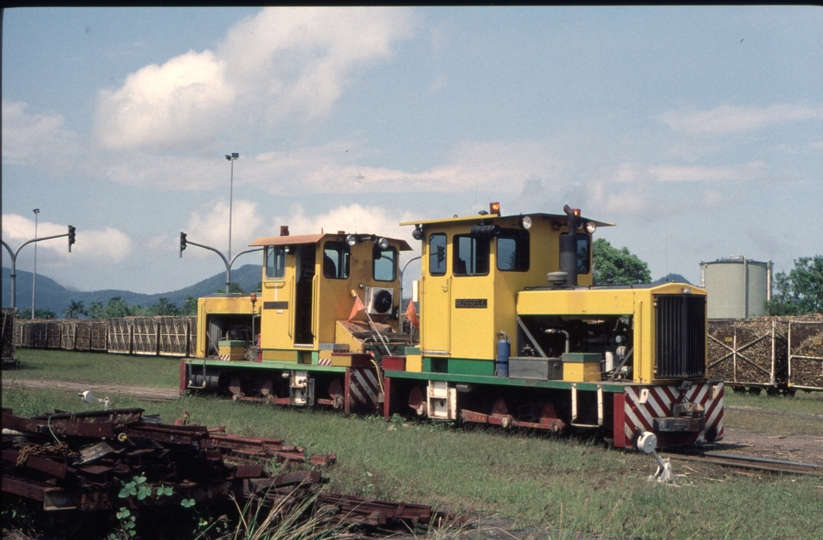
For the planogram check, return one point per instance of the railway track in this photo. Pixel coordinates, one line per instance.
(747, 462)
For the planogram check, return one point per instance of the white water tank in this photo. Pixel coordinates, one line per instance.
(737, 287)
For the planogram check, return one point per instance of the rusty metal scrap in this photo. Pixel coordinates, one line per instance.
(357, 510)
(84, 461)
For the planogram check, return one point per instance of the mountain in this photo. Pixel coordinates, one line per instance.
(53, 296)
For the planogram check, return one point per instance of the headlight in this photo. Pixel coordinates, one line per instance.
(526, 222)
(591, 227)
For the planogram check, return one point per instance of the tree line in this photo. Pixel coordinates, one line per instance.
(117, 307)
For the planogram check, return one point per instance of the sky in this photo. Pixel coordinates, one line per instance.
(698, 131)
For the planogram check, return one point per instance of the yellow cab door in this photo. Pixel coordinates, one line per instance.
(278, 301)
(472, 289)
(435, 296)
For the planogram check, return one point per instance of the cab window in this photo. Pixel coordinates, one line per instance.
(384, 266)
(437, 254)
(275, 262)
(513, 250)
(471, 255)
(336, 260)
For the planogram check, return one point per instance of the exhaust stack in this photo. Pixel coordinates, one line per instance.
(568, 247)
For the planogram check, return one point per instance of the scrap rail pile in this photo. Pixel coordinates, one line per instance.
(90, 461)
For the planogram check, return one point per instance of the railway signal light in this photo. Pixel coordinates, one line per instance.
(182, 243)
(72, 235)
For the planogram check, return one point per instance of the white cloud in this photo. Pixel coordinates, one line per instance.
(210, 226)
(609, 199)
(673, 173)
(107, 245)
(733, 118)
(497, 166)
(714, 198)
(37, 140)
(298, 60)
(354, 218)
(181, 172)
(282, 62)
(181, 102)
(636, 172)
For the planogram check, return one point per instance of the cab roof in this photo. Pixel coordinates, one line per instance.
(560, 218)
(315, 238)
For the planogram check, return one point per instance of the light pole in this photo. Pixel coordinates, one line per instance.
(13, 254)
(231, 157)
(34, 275)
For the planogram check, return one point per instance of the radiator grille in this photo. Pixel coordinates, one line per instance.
(681, 336)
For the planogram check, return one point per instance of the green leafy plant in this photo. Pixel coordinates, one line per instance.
(128, 523)
(139, 487)
(143, 489)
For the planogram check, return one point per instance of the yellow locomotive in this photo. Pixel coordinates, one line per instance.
(512, 332)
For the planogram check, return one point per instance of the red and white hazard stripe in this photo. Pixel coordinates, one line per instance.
(363, 388)
(324, 362)
(643, 404)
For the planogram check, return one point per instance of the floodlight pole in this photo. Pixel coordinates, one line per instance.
(231, 157)
(34, 274)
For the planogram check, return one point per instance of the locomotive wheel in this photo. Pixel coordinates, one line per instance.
(417, 402)
(266, 387)
(499, 408)
(548, 416)
(235, 388)
(336, 394)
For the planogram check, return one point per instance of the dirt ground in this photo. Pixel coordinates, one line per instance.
(99, 390)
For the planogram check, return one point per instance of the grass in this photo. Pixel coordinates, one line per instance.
(96, 367)
(538, 482)
(557, 486)
(800, 415)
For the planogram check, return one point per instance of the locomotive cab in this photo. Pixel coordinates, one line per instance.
(472, 271)
(514, 332)
(326, 300)
(311, 284)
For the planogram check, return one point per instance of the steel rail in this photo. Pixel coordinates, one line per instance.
(749, 462)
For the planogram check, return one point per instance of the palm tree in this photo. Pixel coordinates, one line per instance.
(97, 310)
(75, 308)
